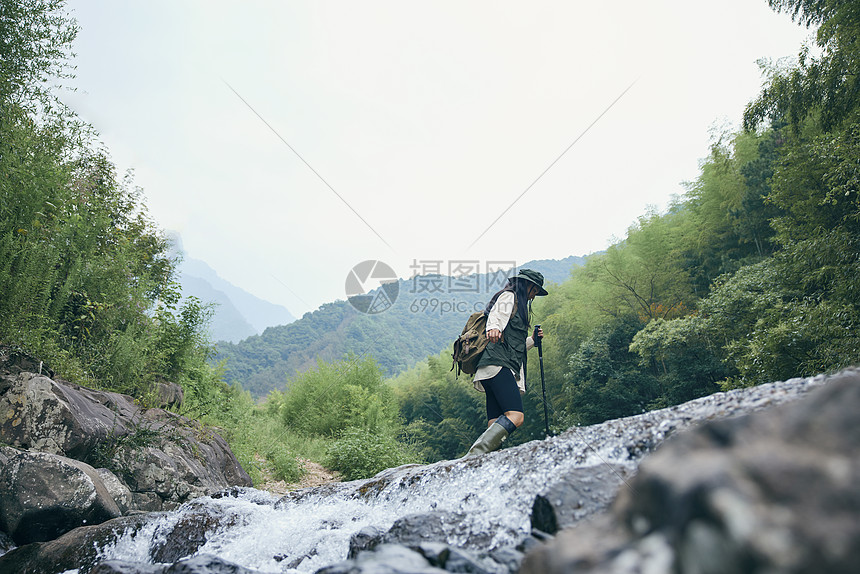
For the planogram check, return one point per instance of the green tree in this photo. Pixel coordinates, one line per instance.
(85, 278)
(350, 393)
(823, 88)
(816, 185)
(642, 275)
(36, 38)
(725, 216)
(605, 380)
(681, 356)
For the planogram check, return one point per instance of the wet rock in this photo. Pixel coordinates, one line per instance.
(417, 528)
(438, 556)
(43, 496)
(78, 549)
(163, 459)
(767, 492)
(203, 564)
(436, 553)
(579, 494)
(386, 559)
(184, 537)
(125, 567)
(6, 543)
(453, 559)
(437, 526)
(367, 538)
(118, 491)
(510, 558)
(206, 564)
(296, 562)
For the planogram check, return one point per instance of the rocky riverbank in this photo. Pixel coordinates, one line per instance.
(759, 480)
(73, 456)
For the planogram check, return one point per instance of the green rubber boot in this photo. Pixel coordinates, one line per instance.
(493, 437)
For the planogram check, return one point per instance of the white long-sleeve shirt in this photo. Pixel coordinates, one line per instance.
(498, 318)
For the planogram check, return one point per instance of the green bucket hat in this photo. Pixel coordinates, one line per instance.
(533, 277)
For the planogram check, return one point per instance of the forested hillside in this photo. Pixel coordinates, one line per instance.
(86, 282)
(427, 316)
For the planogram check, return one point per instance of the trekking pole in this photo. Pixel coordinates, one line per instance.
(539, 346)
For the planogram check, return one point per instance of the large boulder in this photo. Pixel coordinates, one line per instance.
(578, 495)
(43, 496)
(159, 457)
(169, 394)
(78, 549)
(771, 492)
(177, 459)
(56, 417)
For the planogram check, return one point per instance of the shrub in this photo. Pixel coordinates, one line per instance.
(336, 396)
(284, 465)
(362, 454)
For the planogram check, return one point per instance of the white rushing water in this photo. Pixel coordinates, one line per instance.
(307, 530)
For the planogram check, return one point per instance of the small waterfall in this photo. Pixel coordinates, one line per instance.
(493, 494)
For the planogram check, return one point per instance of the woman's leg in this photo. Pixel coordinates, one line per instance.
(494, 409)
(503, 399)
(516, 417)
(506, 399)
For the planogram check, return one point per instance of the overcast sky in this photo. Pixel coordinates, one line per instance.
(417, 124)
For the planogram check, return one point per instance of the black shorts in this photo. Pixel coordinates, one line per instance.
(503, 394)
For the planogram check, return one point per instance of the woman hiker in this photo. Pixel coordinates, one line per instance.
(501, 372)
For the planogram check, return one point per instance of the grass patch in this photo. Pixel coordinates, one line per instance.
(264, 446)
(362, 454)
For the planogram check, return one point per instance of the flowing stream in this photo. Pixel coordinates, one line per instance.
(309, 529)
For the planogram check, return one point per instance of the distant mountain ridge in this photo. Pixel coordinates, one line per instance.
(238, 314)
(427, 315)
(556, 270)
(227, 323)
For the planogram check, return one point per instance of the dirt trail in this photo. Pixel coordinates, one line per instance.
(315, 475)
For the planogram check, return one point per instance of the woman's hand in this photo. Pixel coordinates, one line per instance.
(494, 335)
(537, 336)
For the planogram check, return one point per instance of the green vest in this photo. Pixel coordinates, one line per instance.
(511, 350)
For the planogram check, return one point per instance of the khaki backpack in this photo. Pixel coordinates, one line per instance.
(470, 345)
